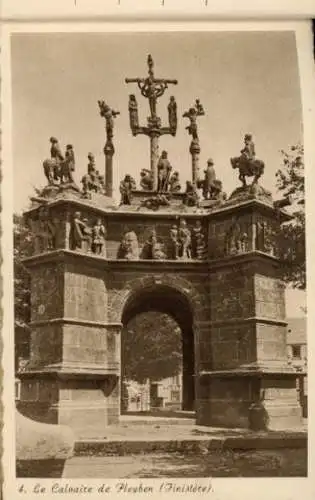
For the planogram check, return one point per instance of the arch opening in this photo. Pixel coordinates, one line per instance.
(158, 341)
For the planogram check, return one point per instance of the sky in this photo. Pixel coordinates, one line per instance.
(247, 82)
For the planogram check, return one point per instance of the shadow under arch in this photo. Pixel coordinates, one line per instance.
(169, 300)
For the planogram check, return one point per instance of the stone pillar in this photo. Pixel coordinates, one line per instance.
(154, 157)
(73, 377)
(195, 151)
(246, 368)
(109, 151)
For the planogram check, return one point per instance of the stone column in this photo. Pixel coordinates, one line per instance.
(154, 157)
(109, 151)
(195, 151)
(73, 377)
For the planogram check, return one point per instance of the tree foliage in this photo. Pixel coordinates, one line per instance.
(290, 182)
(22, 241)
(151, 347)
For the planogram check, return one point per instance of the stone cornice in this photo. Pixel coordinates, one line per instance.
(75, 321)
(137, 212)
(252, 319)
(201, 266)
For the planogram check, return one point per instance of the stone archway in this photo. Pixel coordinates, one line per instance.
(173, 295)
(170, 301)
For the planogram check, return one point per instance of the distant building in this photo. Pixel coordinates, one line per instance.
(164, 394)
(297, 354)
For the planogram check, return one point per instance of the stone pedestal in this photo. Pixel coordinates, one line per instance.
(230, 307)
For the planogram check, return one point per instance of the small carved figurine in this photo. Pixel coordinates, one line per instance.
(133, 113)
(208, 188)
(129, 248)
(109, 115)
(98, 237)
(153, 249)
(175, 186)
(56, 155)
(80, 235)
(164, 171)
(68, 165)
(174, 242)
(198, 241)
(91, 163)
(127, 185)
(191, 196)
(184, 237)
(146, 180)
(248, 152)
(172, 115)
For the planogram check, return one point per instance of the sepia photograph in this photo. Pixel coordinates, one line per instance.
(159, 256)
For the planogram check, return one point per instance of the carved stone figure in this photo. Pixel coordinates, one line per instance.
(244, 242)
(191, 196)
(172, 115)
(247, 163)
(92, 181)
(192, 114)
(56, 155)
(164, 171)
(264, 237)
(80, 234)
(155, 202)
(52, 165)
(127, 185)
(133, 113)
(198, 241)
(153, 248)
(174, 243)
(91, 164)
(109, 115)
(174, 183)
(129, 248)
(184, 237)
(146, 179)
(68, 165)
(98, 237)
(237, 239)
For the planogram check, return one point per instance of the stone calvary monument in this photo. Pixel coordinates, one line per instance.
(210, 261)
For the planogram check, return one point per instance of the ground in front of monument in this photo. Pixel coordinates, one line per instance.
(210, 260)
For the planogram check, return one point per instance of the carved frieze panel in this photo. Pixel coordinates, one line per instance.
(47, 229)
(267, 235)
(87, 233)
(230, 237)
(177, 240)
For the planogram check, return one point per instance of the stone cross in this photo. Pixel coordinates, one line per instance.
(151, 88)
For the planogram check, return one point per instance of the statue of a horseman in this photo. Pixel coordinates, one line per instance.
(58, 167)
(247, 163)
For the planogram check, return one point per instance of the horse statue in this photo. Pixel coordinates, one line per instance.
(248, 168)
(247, 163)
(52, 170)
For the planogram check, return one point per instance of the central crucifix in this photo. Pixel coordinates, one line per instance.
(152, 88)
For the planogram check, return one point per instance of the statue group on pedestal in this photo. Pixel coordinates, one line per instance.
(59, 168)
(86, 238)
